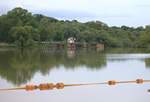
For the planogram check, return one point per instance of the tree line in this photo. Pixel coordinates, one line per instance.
(23, 28)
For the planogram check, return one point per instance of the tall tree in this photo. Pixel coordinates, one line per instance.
(23, 36)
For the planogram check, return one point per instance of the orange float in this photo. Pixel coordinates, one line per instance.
(30, 87)
(112, 82)
(60, 85)
(139, 81)
(50, 86)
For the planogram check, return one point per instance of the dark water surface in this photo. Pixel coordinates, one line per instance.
(18, 68)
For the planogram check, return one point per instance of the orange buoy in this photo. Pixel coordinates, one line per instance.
(139, 81)
(50, 86)
(43, 87)
(30, 87)
(112, 82)
(60, 85)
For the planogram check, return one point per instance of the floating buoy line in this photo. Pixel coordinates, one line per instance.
(51, 86)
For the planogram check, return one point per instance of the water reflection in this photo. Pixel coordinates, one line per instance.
(70, 54)
(18, 67)
(147, 62)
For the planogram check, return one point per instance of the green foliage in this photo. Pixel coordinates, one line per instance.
(18, 26)
(145, 39)
(21, 27)
(23, 36)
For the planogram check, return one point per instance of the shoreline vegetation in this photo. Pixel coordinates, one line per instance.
(20, 28)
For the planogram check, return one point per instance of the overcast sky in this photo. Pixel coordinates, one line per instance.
(112, 12)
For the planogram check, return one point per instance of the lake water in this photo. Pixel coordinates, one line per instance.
(18, 68)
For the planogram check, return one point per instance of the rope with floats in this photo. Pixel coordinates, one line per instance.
(51, 86)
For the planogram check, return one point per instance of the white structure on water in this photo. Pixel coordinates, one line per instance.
(71, 40)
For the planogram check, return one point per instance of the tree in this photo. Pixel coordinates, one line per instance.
(23, 36)
(98, 25)
(15, 18)
(70, 30)
(19, 21)
(145, 39)
(47, 29)
(18, 15)
(4, 28)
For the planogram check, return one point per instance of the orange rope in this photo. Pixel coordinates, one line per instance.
(86, 84)
(13, 89)
(50, 86)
